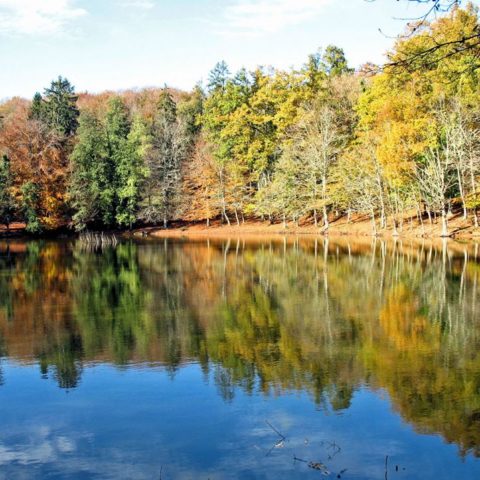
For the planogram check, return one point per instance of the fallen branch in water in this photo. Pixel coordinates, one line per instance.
(280, 443)
(332, 445)
(320, 467)
(283, 437)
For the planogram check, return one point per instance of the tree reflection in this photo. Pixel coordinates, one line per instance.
(325, 317)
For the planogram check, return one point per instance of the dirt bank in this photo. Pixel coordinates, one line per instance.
(410, 227)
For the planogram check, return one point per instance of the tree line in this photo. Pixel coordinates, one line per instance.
(311, 144)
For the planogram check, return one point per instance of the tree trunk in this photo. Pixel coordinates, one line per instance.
(474, 191)
(374, 223)
(383, 219)
(382, 207)
(462, 194)
(226, 217)
(444, 223)
(324, 195)
(236, 217)
(420, 219)
(224, 203)
(395, 231)
(315, 217)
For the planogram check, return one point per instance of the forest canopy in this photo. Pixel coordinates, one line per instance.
(310, 144)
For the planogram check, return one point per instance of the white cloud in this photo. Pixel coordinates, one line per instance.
(37, 17)
(268, 16)
(139, 4)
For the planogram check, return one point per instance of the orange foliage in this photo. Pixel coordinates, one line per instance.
(37, 156)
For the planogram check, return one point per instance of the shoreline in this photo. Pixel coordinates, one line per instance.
(359, 228)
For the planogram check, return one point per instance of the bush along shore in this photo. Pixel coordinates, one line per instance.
(321, 148)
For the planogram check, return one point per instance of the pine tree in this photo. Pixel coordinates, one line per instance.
(37, 107)
(218, 77)
(117, 128)
(90, 187)
(130, 174)
(30, 207)
(59, 108)
(190, 112)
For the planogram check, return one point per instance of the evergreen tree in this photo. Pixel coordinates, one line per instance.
(130, 173)
(30, 207)
(335, 61)
(218, 77)
(117, 123)
(7, 201)
(117, 128)
(91, 182)
(314, 71)
(190, 112)
(37, 107)
(59, 108)
(108, 168)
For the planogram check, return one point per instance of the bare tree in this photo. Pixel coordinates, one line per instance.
(320, 142)
(169, 146)
(438, 49)
(436, 176)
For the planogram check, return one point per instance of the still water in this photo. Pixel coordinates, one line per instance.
(224, 359)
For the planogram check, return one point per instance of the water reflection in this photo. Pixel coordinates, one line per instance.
(317, 316)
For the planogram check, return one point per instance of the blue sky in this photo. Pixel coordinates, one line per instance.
(119, 44)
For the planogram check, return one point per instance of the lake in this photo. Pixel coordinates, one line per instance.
(240, 358)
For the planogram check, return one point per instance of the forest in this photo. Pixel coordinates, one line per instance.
(306, 145)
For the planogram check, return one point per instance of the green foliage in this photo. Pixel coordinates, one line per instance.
(30, 207)
(37, 109)
(335, 61)
(218, 77)
(58, 107)
(91, 190)
(190, 110)
(108, 168)
(130, 174)
(7, 200)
